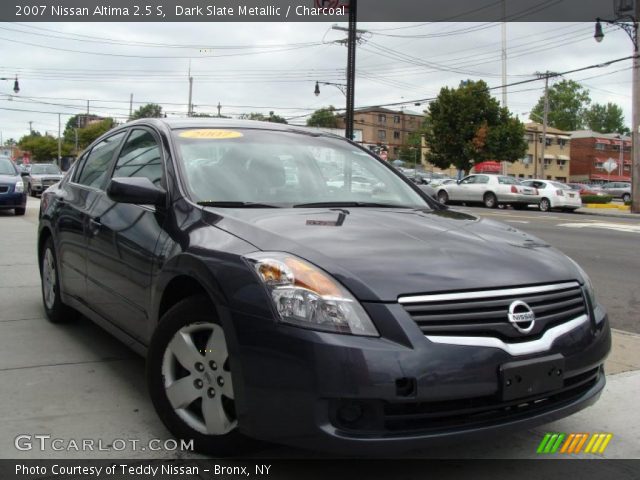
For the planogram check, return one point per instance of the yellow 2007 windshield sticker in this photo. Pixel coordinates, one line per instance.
(210, 134)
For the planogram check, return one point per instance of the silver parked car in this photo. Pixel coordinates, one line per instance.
(555, 195)
(490, 190)
(618, 190)
(41, 177)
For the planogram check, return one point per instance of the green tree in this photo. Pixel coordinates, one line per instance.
(150, 110)
(606, 119)
(263, 118)
(324, 117)
(411, 151)
(10, 142)
(43, 148)
(568, 103)
(92, 131)
(466, 125)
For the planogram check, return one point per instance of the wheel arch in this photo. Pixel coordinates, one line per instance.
(44, 235)
(182, 277)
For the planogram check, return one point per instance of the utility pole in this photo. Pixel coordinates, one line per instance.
(635, 134)
(30, 127)
(59, 144)
(219, 108)
(190, 106)
(504, 53)
(88, 106)
(130, 106)
(504, 67)
(352, 39)
(545, 117)
(351, 67)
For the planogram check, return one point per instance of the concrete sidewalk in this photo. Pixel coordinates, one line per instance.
(607, 212)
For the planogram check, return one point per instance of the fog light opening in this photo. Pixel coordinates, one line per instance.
(350, 412)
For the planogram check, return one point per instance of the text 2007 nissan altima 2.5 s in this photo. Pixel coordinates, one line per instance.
(275, 303)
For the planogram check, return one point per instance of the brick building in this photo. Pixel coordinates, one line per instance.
(590, 150)
(385, 127)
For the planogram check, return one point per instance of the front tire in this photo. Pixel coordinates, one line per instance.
(443, 197)
(626, 197)
(56, 310)
(19, 211)
(189, 378)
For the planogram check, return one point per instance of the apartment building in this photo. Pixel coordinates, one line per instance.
(383, 127)
(554, 163)
(589, 152)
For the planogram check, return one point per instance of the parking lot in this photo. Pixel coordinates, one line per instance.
(76, 382)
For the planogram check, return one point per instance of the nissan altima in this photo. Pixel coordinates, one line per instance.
(276, 299)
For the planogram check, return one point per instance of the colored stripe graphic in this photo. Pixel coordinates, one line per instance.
(574, 442)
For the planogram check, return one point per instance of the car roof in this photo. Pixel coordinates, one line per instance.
(199, 122)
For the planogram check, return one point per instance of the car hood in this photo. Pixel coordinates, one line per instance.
(381, 254)
(9, 178)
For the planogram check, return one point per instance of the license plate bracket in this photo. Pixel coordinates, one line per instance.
(526, 378)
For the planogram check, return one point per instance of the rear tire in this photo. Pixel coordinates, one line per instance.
(545, 205)
(188, 361)
(57, 312)
(490, 200)
(19, 211)
(626, 197)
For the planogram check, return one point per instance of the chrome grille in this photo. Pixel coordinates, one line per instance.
(485, 313)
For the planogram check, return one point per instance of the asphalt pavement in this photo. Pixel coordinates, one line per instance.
(76, 382)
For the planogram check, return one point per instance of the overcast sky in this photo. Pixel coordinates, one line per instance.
(273, 66)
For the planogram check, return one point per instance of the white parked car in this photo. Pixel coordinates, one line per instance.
(555, 195)
(490, 190)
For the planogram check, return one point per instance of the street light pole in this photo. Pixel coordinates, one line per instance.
(351, 68)
(629, 23)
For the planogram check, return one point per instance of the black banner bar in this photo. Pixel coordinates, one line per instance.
(304, 10)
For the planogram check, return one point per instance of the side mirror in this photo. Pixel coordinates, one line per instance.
(137, 190)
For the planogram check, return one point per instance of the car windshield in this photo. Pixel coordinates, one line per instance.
(264, 168)
(6, 167)
(47, 169)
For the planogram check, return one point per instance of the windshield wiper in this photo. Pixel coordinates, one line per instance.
(349, 204)
(229, 204)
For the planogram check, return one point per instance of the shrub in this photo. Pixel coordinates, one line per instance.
(596, 198)
(628, 203)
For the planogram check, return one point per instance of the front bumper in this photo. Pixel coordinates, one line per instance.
(359, 395)
(13, 200)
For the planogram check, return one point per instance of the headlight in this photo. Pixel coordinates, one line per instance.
(588, 286)
(19, 186)
(305, 296)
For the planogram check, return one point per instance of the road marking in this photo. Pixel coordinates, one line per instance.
(620, 227)
(517, 221)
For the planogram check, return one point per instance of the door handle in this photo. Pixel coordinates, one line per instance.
(94, 225)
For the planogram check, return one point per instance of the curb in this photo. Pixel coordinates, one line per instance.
(623, 208)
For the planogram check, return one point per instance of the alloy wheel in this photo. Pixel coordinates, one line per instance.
(49, 279)
(197, 379)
